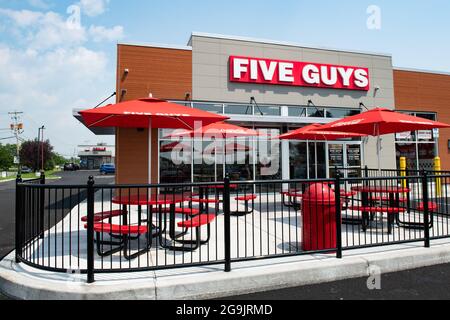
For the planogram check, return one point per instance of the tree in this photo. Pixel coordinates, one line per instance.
(6, 156)
(59, 160)
(29, 154)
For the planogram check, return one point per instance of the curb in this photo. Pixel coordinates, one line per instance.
(19, 283)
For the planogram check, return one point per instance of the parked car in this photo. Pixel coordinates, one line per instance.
(71, 167)
(107, 168)
(25, 169)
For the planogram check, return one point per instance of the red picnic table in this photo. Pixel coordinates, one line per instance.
(150, 201)
(393, 209)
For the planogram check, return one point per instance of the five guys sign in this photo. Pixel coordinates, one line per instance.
(301, 74)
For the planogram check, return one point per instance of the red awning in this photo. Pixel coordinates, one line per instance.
(148, 112)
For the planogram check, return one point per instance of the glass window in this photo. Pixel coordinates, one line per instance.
(204, 162)
(297, 112)
(407, 150)
(298, 160)
(268, 111)
(268, 162)
(238, 109)
(239, 160)
(317, 166)
(406, 136)
(175, 162)
(426, 156)
(421, 147)
(339, 113)
(211, 107)
(316, 113)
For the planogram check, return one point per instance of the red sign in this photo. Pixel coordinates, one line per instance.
(301, 74)
(99, 149)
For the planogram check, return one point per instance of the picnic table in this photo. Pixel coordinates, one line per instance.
(393, 209)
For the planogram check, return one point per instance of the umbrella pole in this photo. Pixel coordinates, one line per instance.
(379, 149)
(150, 151)
(315, 156)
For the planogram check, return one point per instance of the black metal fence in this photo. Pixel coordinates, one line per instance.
(95, 228)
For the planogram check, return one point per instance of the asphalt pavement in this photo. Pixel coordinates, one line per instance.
(430, 283)
(7, 196)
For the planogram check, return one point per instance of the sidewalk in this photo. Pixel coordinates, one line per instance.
(23, 282)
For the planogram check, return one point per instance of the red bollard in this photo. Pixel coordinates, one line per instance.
(319, 218)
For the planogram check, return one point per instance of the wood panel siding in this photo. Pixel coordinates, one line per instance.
(131, 156)
(422, 91)
(167, 74)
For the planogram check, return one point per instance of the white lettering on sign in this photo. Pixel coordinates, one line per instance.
(240, 66)
(279, 72)
(286, 72)
(361, 77)
(311, 74)
(346, 75)
(268, 72)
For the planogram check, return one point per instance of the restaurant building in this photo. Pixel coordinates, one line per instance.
(93, 156)
(273, 87)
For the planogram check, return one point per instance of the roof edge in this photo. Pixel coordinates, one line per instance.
(156, 45)
(444, 73)
(284, 43)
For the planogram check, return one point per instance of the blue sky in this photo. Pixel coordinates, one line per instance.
(48, 68)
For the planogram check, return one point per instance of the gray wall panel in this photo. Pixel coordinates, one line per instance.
(210, 80)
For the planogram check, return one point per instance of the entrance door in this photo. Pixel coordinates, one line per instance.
(344, 155)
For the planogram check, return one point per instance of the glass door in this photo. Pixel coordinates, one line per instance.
(335, 158)
(344, 155)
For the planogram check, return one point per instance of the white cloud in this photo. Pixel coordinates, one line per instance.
(40, 4)
(48, 86)
(93, 8)
(22, 18)
(48, 68)
(100, 33)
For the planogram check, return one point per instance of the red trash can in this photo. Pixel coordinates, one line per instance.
(319, 218)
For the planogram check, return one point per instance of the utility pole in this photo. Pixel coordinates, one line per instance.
(42, 149)
(40, 154)
(17, 128)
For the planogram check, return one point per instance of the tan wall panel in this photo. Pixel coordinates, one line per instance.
(420, 91)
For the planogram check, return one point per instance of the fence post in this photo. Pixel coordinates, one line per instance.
(90, 230)
(42, 206)
(426, 217)
(337, 188)
(366, 171)
(227, 228)
(18, 219)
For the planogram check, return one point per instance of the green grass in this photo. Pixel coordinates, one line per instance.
(50, 174)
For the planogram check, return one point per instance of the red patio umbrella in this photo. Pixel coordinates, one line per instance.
(380, 121)
(233, 147)
(218, 130)
(148, 113)
(309, 133)
(174, 145)
(315, 132)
